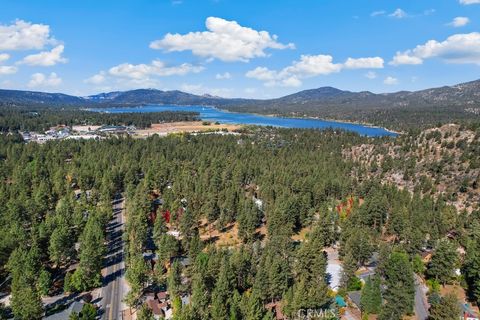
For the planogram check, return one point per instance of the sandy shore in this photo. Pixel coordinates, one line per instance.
(183, 126)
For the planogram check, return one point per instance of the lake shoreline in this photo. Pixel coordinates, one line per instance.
(213, 113)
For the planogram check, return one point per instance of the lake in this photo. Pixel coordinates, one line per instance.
(213, 114)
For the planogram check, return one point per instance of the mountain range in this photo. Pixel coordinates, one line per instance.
(458, 102)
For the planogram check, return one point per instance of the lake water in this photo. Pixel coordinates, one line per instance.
(213, 114)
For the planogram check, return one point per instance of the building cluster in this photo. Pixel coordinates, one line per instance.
(66, 133)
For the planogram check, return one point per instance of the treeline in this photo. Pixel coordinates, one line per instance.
(411, 118)
(304, 185)
(42, 118)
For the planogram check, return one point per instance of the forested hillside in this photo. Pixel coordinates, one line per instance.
(403, 110)
(287, 194)
(444, 162)
(40, 118)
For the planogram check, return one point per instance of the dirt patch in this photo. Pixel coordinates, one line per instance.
(183, 126)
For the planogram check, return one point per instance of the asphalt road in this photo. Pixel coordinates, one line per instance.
(113, 287)
(421, 304)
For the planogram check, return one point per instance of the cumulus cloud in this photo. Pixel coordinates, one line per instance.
(41, 80)
(45, 58)
(459, 22)
(24, 35)
(155, 68)
(97, 79)
(310, 66)
(364, 63)
(467, 2)
(225, 40)
(458, 48)
(6, 70)
(390, 81)
(398, 13)
(127, 75)
(223, 76)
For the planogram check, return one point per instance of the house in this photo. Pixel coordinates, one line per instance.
(154, 305)
(184, 261)
(76, 307)
(468, 313)
(112, 129)
(162, 296)
(185, 300)
(365, 274)
(426, 255)
(355, 297)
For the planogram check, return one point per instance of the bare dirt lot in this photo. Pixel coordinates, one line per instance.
(183, 126)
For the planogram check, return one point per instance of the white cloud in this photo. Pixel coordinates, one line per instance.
(4, 57)
(225, 40)
(459, 48)
(261, 73)
(5, 70)
(310, 66)
(467, 2)
(390, 81)
(41, 80)
(399, 14)
(223, 76)
(459, 22)
(405, 58)
(155, 68)
(130, 76)
(97, 79)
(378, 13)
(45, 58)
(371, 75)
(24, 35)
(364, 63)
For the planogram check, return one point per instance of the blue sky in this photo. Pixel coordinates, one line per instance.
(235, 48)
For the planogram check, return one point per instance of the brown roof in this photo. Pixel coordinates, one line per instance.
(162, 295)
(155, 306)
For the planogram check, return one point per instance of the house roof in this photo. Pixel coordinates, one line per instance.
(355, 297)
(162, 295)
(467, 311)
(154, 305)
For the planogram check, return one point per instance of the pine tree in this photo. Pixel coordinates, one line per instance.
(91, 253)
(44, 282)
(200, 297)
(471, 270)
(61, 244)
(443, 263)
(26, 301)
(447, 309)
(350, 266)
(371, 298)
(175, 279)
(137, 273)
(400, 292)
(222, 292)
(255, 309)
